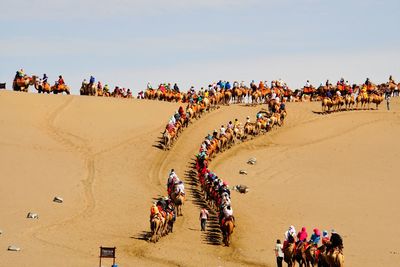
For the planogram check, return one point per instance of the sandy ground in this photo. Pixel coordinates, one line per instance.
(330, 171)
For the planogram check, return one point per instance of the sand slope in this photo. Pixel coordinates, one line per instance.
(100, 155)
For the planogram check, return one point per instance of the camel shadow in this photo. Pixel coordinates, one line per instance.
(212, 235)
(144, 236)
(159, 143)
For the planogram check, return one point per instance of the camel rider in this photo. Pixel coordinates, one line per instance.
(342, 81)
(290, 235)
(199, 99)
(327, 83)
(154, 211)
(176, 88)
(60, 81)
(227, 212)
(172, 120)
(177, 116)
(179, 188)
(106, 89)
(367, 82)
(149, 87)
(391, 80)
(329, 94)
(307, 85)
(236, 123)
(20, 74)
(226, 200)
(338, 93)
(302, 235)
(44, 80)
(325, 237)
(92, 80)
(235, 85)
(230, 125)
(247, 119)
(315, 237)
(347, 83)
(192, 91)
(222, 131)
(99, 86)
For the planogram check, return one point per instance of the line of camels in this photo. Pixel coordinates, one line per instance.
(212, 189)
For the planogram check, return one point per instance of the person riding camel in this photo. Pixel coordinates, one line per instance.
(325, 237)
(247, 119)
(230, 125)
(60, 82)
(149, 87)
(302, 235)
(179, 188)
(19, 74)
(227, 213)
(391, 80)
(315, 237)
(308, 84)
(92, 80)
(222, 131)
(367, 82)
(154, 211)
(106, 89)
(99, 86)
(176, 88)
(290, 236)
(44, 80)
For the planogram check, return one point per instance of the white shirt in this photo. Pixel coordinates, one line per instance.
(278, 249)
(227, 212)
(222, 131)
(307, 84)
(180, 188)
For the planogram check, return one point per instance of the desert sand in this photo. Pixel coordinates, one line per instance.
(101, 156)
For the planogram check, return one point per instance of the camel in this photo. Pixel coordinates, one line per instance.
(227, 230)
(179, 200)
(155, 227)
(349, 101)
(88, 89)
(61, 88)
(335, 258)
(326, 104)
(288, 253)
(300, 255)
(42, 88)
(227, 97)
(168, 138)
(311, 256)
(376, 99)
(22, 84)
(250, 128)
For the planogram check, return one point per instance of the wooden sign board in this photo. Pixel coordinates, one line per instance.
(107, 252)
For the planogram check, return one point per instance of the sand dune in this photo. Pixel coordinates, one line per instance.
(335, 171)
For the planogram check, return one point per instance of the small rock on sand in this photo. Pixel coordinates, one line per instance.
(13, 248)
(243, 172)
(252, 161)
(58, 199)
(32, 215)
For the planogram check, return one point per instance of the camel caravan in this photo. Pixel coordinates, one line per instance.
(92, 88)
(215, 191)
(164, 211)
(22, 82)
(308, 252)
(221, 93)
(181, 119)
(344, 96)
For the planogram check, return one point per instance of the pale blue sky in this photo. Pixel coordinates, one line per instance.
(128, 43)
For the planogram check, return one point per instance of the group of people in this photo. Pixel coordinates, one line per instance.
(164, 208)
(216, 190)
(320, 240)
(97, 89)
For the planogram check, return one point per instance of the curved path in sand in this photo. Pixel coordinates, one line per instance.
(100, 155)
